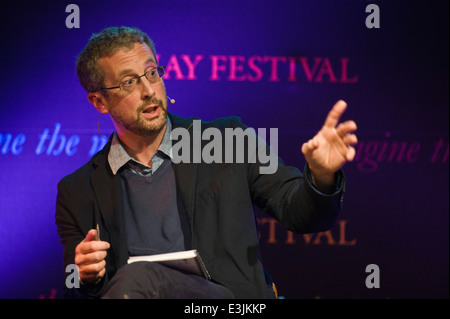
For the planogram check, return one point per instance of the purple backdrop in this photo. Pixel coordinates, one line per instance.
(276, 64)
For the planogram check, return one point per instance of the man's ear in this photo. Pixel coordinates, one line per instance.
(98, 100)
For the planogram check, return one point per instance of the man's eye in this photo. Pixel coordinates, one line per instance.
(129, 82)
(152, 73)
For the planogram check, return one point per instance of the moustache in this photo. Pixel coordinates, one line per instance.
(153, 101)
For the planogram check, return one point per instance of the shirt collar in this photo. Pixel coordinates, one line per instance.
(118, 156)
(166, 143)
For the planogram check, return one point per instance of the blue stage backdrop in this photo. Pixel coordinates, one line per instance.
(275, 64)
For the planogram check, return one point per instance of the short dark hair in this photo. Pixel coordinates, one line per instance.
(106, 43)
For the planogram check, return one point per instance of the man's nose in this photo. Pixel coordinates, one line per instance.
(147, 90)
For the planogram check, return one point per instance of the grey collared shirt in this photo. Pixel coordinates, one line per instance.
(151, 208)
(118, 156)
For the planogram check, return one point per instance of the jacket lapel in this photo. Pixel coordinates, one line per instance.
(108, 193)
(107, 189)
(186, 173)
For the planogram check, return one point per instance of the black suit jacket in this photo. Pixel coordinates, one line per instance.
(218, 200)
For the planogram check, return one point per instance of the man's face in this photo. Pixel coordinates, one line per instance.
(142, 111)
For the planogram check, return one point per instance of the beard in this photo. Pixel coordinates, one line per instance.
(141, 125)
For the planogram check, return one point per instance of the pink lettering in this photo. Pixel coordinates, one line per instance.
(258, 72)
(440, 154)
(173, 66)
(292, 77)
(325, 69)
(344, 73)
(191, 65)
(235, 67)
(274, 66)
(216, 67)
(310, 72)
(255, 68)
(369, 154)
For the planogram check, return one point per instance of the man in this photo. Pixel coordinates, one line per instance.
(143, 203)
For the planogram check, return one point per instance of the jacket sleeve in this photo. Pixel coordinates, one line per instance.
(289, 196)
(73, 221)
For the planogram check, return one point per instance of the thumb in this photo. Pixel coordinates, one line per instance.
(91, 235)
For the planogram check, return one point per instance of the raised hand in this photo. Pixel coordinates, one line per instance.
(331, 147)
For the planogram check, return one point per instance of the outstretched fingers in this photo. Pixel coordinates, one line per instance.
(310, 146)
(335, 114)
(350, 154)
(345, 128)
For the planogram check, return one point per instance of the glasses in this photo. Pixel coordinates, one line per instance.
(153, 76)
